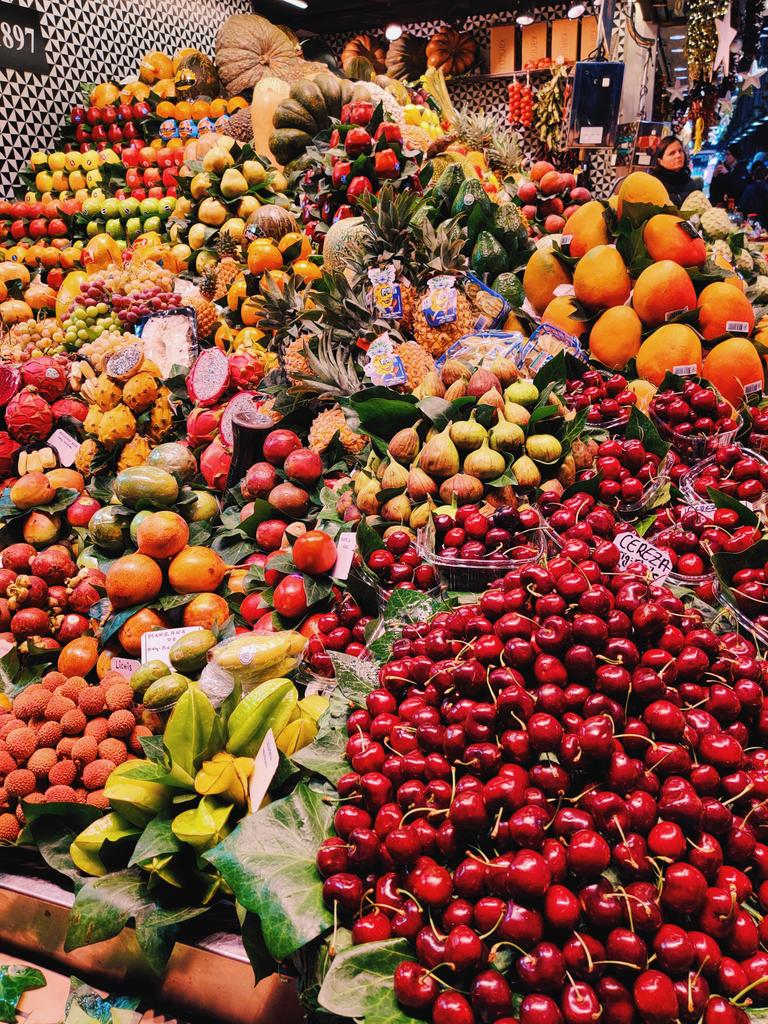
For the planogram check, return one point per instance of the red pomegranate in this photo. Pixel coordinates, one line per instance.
(28, 417)
(70, 408)
(203, 425)
(214, 465)
(45, 374)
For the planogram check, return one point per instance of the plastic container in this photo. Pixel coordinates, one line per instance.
(695, 500)
(675, 578)
(693, 447)
(633, 509)
(742, 621)
(476, 575)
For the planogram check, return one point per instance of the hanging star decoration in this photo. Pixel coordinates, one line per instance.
(751, 79)
(725, 36)
(726, 105)
(764, 10)
(676, 92)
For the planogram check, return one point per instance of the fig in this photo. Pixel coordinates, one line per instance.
(439, 457)
(462, 488)
(485, 463)
(468, 435)
(482, 381)
(405, 445)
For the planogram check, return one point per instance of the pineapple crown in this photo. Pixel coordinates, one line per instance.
(389, 219)
(332, 371)
(208, 283)
(227, 246)
(344, 308)
(284, 313)
(440, 249)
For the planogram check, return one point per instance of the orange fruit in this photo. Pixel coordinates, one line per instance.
(641, 187)
(68, 478)
(200, 109)
(295, 238)
(236, 103)
(133, 579)
(196, 570)
(543, 273)
(669, 348)
(587, 228)
(721, 304)
(237, 292)
(600, 279)
(661, 290)
(162, 535)
(79, 656)
(666, 238)
(562, 312)
(134, 92)
(155, 66)
(251, 311)
(131, 632)
(732, 366)
(206, 611)
(165, 109)
(307, 270)
(182, 110)
(217, 108)
(263, 255)
(105, 94)
(615, 337)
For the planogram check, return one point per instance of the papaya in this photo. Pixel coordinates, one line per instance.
(106, 529)
(148, 484)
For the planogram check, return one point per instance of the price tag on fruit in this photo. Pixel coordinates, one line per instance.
(689, 370)
(22, 46)
(155, 646)
(634, 548)
(66, 446)
(267, 760)
(127, 666)
(346, 546)
(737, 327)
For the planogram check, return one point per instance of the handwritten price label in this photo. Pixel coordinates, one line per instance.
(633, 548)
(22, 46)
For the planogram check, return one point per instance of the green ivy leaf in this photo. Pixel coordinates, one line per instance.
(325, 755)
(157, 840)
(641, 427)
(269, 863)
(15, 980)
(360, 976)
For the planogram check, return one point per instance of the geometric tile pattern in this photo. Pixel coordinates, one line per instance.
(92, 41)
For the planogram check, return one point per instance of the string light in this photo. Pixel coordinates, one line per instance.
(702, 36)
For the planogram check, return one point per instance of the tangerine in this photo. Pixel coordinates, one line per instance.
(162, 535)
(79, 656)
(263, 255)
(196, 570)
(165, 109)
(133, 579)
(236, 103)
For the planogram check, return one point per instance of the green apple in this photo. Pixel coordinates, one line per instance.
(166, 206)
(149, 208)
(91, 208)
(129, 207)
(152, 224)
(114, 227)
(133, 227)
(110, 208)
(94, 227)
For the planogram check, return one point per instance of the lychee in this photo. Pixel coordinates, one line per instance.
(21, 744)
(113, 750)
(7, 763)
(85, 750)
(96, 798)
(57, 706)
(60, 795)
(119, 697)
(41, 762)
(33, 798)
(52, 680)
(63, 774)
(112, 678)
(73, 686)
(134, 740)
(20, 782)
(49, 734)
(97, 727)
(91, 700)
(121, 723)
(9, 828)
(64, 747)
(96, 773)
(31, 702)
(8, 728)
(73, 722)
(3, 796)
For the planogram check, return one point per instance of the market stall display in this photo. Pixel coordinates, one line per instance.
(383, 546)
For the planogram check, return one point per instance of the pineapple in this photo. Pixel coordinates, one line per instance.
(206, 311)
(229, 264)
(327, 424)
(295, 359)
(417, 362)
(285, 315)
(332, 372)
(474, 128)
(440, 252)
(504, 153)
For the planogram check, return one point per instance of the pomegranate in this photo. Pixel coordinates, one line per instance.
(278, 444)
(303, 466)
(10, 382)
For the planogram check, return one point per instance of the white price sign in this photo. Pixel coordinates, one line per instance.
(155, 646)
(634, 548)
(267, 760)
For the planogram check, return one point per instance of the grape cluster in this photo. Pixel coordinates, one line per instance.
(131, 308)
(33, 338)
(87, 323)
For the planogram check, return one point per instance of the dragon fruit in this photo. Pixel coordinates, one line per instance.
(9, 449)
(70, 408)
(245, 370)
(47, 375)
(203, 425)
(239, 405)
(10, 382)
(209, 377)
(29, 417)
(214, 465)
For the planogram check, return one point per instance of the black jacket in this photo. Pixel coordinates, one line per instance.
(754, 199)
(729, 185)
(679, 184)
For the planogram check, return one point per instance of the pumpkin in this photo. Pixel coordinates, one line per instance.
(196, 76)
(270, 221)
(307, 110)
(360, 69)
(267, 96)
(451, 51)
(407, 58)
(248, 48)
(363, 45)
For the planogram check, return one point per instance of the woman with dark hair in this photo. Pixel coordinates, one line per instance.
(672, 170)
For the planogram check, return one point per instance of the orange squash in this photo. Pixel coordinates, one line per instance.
(369, 49)
(451, 51)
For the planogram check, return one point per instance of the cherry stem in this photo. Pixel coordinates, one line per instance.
(738, 998)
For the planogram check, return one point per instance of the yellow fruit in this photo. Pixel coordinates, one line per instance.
(615, 337)
(600, 279)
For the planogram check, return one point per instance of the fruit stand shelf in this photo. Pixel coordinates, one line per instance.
(208, 979)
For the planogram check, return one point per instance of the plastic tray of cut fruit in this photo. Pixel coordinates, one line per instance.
(733, 469)
(474, 575)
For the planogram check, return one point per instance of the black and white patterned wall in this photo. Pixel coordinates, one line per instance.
(92, 41)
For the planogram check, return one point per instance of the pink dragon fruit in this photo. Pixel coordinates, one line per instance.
(45, 374)
(209, 377)
(71, 408)
(245, 370)
(9, 449)
(203, 425)
(214, 465)
(28, 417)
(241, 404)
(10, 382)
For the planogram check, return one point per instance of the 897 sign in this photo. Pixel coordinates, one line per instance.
(22, 46)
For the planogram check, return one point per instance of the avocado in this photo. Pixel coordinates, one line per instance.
(488, 257)
(166, 691)
(147, 674)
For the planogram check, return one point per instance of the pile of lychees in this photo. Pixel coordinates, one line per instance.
(60, 742)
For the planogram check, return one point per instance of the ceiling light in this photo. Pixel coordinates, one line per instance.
(677, 49)
(393, 31)
(576, 10)
(524, 19)
(296, 3)
(678, 36)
